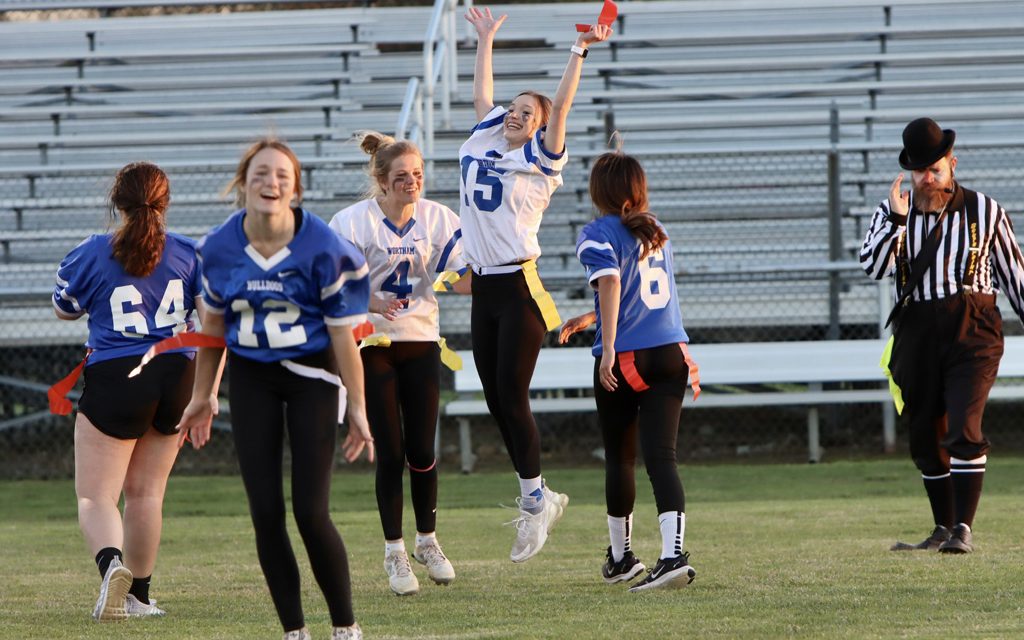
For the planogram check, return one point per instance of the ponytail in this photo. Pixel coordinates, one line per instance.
(618, 186)
(141, 193)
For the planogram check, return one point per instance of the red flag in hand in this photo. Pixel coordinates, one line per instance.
(609, 12)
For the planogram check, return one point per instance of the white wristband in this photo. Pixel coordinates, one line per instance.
(580, 51)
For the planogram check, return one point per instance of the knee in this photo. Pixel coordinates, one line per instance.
(266, 516)
(931, 465)
(311, 519)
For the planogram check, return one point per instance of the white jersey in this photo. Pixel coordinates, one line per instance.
(503, 193)
(405, 262)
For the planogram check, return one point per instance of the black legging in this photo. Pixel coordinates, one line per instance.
(264, 397)
(508, 330)
(402, 390)
(654, 413)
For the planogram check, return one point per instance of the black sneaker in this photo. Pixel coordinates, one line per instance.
(674, 573)
(959, 542)
(939, 535)
(622, 571)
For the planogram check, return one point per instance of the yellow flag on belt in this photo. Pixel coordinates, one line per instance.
(894, 389)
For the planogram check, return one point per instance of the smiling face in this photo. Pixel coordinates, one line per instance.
(403, 184)
(523, 119)
(269, 183)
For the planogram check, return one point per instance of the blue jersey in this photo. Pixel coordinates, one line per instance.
(278, 308)
(649, 307)
(128, 314)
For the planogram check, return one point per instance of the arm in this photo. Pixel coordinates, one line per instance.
(464, 285)
(351, 366)
(197, 418)
(554, 138)
(63, 315)
(483, 78)
(1009, 263)
(609, 289)
(878, 253)
(575, 325)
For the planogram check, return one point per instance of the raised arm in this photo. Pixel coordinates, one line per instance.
(483, 78)
(878, 253)
(554, 138)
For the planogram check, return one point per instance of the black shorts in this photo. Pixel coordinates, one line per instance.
(126, 408)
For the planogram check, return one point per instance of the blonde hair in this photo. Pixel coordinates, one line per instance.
(237, 183)
(383, 150)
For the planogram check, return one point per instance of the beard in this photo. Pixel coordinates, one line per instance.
(933, 197)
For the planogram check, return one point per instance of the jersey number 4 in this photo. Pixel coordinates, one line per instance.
(654, 285)
(483, 178)
(170, 313)
(397, 281)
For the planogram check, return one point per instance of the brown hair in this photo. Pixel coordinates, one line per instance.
(141, 193)
(383, 150)
(237, 183)
(618, 186)
(544, 103)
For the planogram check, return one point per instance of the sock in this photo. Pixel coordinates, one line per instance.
(620, 530)
(967, 479)
(394, 546)
(140, 589)
(532, 494)
(940, 495)
(673, 526)
(424, 538)
(104, 557)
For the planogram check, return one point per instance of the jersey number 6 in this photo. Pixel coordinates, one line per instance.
(654, 285)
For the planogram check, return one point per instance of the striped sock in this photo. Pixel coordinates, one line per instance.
(532, 494)
(673, 526)
(620, 530)
(968, 477)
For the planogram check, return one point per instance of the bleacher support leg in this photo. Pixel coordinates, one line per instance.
(813, 432)
(466, 446)
(888, 427)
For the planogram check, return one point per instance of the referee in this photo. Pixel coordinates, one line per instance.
(949, 249)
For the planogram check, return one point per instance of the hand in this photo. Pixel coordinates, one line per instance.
(899, 202)
(597, 33)
(358, 436)
(604, 371)
(196, 422)
(486, 25)
(575, 325)
(387, 308)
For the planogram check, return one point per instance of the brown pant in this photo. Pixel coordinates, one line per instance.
(945, 359)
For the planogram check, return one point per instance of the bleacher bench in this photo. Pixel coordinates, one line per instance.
(788, 374)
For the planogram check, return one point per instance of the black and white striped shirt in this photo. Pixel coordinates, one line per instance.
(998, 255)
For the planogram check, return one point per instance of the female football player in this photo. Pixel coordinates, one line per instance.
(511, 165)
(407, 242)
(641, 365)
(284, 291)
(139, 284)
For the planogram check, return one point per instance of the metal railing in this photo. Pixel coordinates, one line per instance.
(440, 80)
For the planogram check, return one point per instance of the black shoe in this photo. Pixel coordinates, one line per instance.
(939, 535)
(622, 571)
(959, 542)
(674, 573)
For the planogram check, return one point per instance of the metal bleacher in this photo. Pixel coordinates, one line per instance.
(734, 106)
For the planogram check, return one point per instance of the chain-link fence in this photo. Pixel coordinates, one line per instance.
(751, 231)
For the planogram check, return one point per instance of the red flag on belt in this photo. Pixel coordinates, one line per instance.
(609, 12)
(57, 394)
(190, 339)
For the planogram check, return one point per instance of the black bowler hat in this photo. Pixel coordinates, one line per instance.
(924, 143)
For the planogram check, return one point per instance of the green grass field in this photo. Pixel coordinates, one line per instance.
(780, 551)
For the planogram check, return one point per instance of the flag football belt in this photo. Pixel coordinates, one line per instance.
(449, 358)
(627, 364)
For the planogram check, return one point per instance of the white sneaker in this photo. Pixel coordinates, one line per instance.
(347, 633)
(400, 576)
(298, 634)
(532, 530)
(439, 568)
(135, 608)
(560, 500)
(116, 583)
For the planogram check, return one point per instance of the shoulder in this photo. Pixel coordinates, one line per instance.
(494, 118)
(223, 234)
(349, 215)
(430, 210)
(181, 242)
